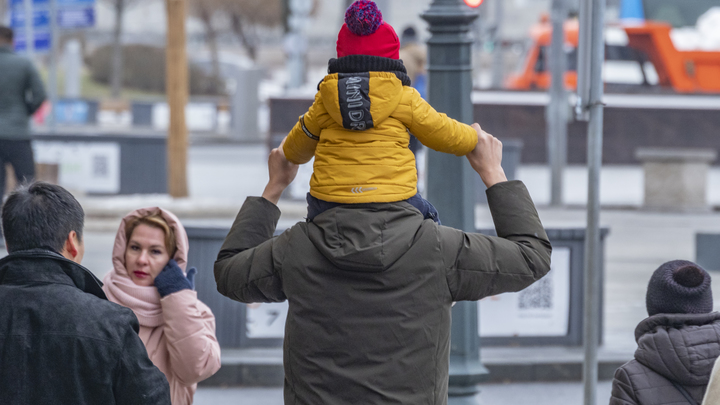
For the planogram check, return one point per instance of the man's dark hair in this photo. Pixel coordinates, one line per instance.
(41, 216)
(6, 33)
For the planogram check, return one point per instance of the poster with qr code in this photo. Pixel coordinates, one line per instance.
(266, 321)
(89, 167)
(543, 309)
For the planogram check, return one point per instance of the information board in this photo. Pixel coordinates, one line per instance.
(266, 320)
(543, 309)
(84, 167)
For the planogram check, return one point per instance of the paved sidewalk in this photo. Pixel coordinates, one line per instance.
(490, 394)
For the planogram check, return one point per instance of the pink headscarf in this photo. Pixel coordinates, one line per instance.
(119, 288)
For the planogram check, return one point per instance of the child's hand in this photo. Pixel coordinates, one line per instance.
(487, 157)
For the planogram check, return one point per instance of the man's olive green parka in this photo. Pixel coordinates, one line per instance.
(370, 288)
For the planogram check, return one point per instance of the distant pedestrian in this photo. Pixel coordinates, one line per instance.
(677, 344)
(21, 94)
(149, 276)
(370, 286)
(414, 56)
(61, 341)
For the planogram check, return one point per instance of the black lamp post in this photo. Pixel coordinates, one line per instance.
(451, 180)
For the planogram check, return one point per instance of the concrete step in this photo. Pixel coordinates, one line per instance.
(263, 367)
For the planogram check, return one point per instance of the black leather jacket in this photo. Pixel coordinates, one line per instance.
(63, 342)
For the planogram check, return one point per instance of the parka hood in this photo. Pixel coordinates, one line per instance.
(181, 238)
(119, 287)
(358, 237)
(360, 101)
(680, 347)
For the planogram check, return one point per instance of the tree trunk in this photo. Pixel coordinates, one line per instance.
(239, 30)
(116, 78)
(211, 35)
(177, 96)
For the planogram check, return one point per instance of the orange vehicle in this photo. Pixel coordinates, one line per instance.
(684, 71)
(636, 54)
(534, 73)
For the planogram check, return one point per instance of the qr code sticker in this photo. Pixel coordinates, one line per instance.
(539, 295)
(100, 166)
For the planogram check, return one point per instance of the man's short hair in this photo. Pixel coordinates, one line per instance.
(41, 216)
(6, 33)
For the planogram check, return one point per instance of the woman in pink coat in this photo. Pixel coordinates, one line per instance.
(148, 276)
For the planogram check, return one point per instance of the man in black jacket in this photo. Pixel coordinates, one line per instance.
(61, 340)
(370, 286)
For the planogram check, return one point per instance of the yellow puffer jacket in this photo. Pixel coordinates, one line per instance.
(357, 129)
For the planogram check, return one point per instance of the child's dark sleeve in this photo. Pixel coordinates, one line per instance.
(437, 131)
(302, 140)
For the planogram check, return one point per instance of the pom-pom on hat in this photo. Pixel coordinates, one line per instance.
(679, 287)
(365, 33)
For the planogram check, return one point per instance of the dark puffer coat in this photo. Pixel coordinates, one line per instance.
(62, 342)
(671, 347)
(21, 94)
(370, 287)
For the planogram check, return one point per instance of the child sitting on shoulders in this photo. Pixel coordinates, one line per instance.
(358, 126)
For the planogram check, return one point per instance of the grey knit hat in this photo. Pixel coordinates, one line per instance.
(679, 287)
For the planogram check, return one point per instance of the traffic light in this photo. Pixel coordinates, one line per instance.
(473, 3)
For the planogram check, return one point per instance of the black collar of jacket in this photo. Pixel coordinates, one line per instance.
(46, 266)
(367, 63)
(676, 321)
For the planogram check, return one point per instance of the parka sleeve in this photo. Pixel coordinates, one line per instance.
(35, 94)
(249, 263)
(437, 131)
(302, 140)
(479, 266)
(622, 389)
(137, 381)
(193, 349)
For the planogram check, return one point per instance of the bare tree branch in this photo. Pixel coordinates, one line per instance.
(116, 78)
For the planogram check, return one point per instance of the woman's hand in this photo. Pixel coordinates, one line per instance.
(171, 279)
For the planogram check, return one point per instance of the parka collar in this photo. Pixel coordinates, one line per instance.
(50, 267)
(674, 321)
(369, 63)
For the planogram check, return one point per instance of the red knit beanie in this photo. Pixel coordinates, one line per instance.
(365, 33)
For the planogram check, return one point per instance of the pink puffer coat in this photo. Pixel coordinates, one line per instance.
(178, 330)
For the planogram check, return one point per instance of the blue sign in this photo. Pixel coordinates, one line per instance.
(42, 41)
(76, 13)
(71, 14)
(41, 24)
(76, 18)
(71, 112)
